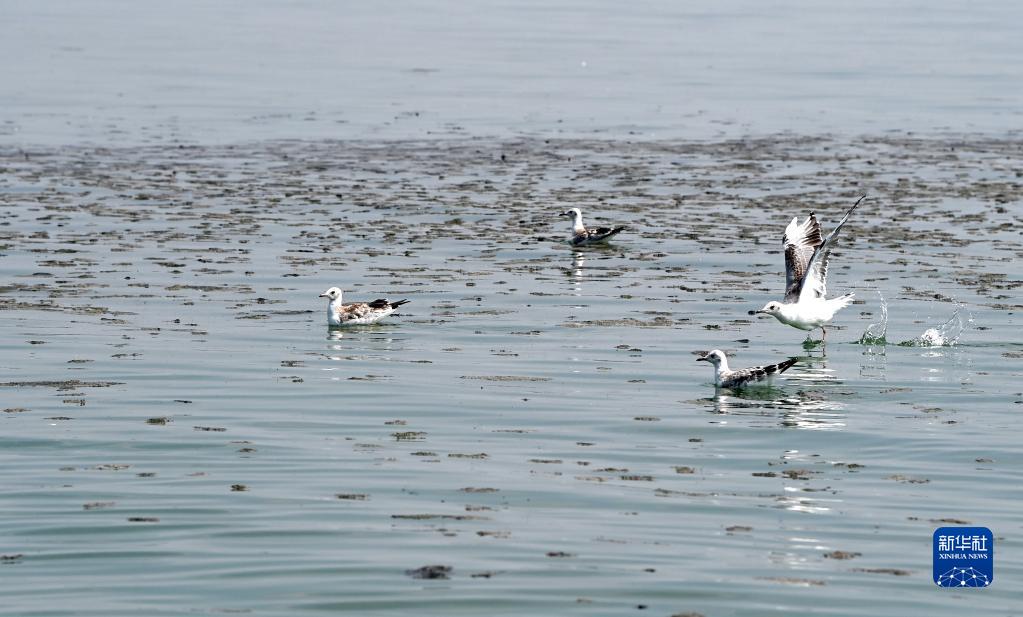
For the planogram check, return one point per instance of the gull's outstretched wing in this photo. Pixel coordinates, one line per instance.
(815, 281)
(800, 242)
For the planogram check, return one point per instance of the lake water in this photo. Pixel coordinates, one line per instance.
(109, 71)
(182, 435)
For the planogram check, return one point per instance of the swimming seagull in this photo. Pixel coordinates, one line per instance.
(581, 236)
(356, 313)
(806, 274)
(727, 378)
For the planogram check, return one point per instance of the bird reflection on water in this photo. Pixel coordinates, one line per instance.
(576, 273)
(376, 341)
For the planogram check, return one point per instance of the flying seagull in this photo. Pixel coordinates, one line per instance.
(581, 236)
(740, 378)
(356, 313)
(805, 305)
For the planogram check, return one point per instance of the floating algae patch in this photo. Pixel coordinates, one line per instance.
(67, 384)
(439, 517)
(271, 314)
(431, 572)
(212, 288)
(505, 378)
(628, 322)
(7, 304)
(409, 436)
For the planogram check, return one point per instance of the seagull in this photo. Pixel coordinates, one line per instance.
(356, 313)
(740, 378)
(581, 236)
(806, 273)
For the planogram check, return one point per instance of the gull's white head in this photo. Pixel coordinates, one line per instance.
(771, 308)
(715, 357)
(333, 293)
(577, 219)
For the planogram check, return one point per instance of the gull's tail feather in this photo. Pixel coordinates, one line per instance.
(616, 230)
(845, 300)
(841, 302)
(382, 303)
(781, 367)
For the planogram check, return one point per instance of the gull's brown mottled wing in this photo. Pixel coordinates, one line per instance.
(355, 310)
(597, 234)
(800, 242)
(746, 376)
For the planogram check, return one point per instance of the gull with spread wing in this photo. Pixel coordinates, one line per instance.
(805, 305)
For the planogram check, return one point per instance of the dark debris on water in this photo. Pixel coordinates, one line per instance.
(431, 572)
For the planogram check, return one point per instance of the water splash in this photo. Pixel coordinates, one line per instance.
(875, 332)
(947, 334)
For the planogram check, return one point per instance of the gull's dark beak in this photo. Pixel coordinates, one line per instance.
(759, 312)
(703, 359)
(324, 295)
